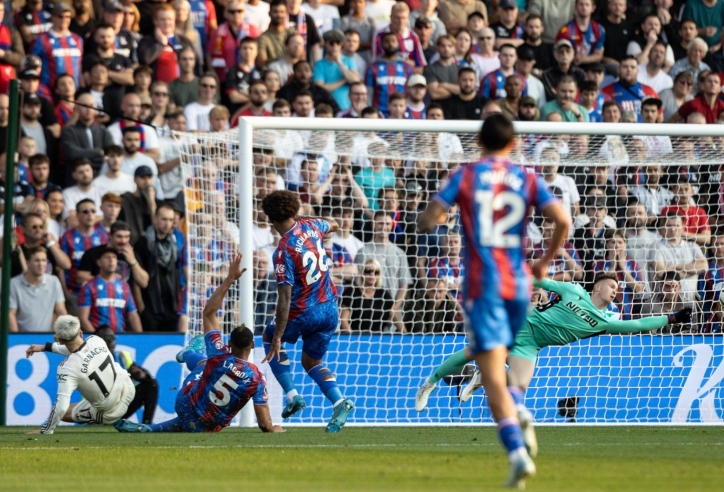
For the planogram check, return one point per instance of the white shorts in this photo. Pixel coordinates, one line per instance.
(85, 413)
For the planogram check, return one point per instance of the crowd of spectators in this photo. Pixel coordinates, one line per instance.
(99, 187)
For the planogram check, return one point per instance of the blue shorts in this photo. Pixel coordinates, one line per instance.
(493, 322)
(316, 327)
(189, 420)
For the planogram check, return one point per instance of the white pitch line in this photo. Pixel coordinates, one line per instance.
(325, 446)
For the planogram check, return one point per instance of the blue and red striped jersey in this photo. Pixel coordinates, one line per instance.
(409, 42)
(75, 244)
(495, 198)
(301, 261)
(493, 85)
(110, 303)
(629, 97)
(214, 253)
(385, 78)
(226, 385)
(63, 113)
(202, 12)
(415, 114)
(37, 21)
(584, 42)
(60, 55)
(710, 286)
(624, 297)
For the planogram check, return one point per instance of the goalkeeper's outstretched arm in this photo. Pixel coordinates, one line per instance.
(211, 322)
(649, 323)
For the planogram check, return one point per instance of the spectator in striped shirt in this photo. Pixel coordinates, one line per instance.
(409, 43)
(107, 300)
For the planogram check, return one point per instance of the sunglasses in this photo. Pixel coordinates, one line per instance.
(686, 82)
(208, 86)
(235, 11)
(88, 211)
(334, 42)
(161, 94)
(372, 271)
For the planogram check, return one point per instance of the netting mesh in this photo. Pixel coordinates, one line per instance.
(645, 207)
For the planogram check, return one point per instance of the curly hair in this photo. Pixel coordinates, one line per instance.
(281, 205)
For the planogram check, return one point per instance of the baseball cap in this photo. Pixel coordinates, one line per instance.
(508, 4)
(563, 42)
(31, 99)
(29, 73)
(31, 61)
(334, 35)
(416, 79)
(142, 171)
(525, 52)
(527, 101)
(413, 187)
(115, 7)
(60, 8)
(106, 249)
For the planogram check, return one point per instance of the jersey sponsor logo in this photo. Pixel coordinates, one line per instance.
(77, 255)
(38, 28)
(62, 378)
(114, 303)
(581, 313)
(697, 387)
(391, 80)
(63, 52)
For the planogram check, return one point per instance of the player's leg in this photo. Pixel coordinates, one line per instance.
(491, 326)
(281, 368)
(146, 397)
(316, 339)
(197, 346)
(450, 366)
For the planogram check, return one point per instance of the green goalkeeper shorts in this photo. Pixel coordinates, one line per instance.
(525, 345)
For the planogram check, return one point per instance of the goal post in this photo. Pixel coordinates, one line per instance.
(648, 378)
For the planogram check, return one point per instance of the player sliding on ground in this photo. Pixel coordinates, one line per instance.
(572, 315)
(306, 305)
(495, 198)
(222, 381)
(107, 389)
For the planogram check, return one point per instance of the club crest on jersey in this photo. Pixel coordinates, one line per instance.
(218, 345)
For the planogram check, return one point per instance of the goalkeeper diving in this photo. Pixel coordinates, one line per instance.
(572, 315)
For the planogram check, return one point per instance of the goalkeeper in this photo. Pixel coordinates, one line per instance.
(572, 315)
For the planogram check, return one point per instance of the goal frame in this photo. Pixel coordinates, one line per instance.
(247, 125)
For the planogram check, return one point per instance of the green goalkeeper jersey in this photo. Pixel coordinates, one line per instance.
(572, 316)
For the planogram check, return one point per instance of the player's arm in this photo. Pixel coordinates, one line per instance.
(264, 420)
(649, 323)
(554, 213)
(66, 385)
(284, 299)
(211, 322)
(428, 219)
(333, 226)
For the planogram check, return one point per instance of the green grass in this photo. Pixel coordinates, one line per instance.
(376, 459)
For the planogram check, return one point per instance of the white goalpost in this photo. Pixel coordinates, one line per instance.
(394, 331)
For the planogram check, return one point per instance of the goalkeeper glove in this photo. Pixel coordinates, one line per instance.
(683, 316)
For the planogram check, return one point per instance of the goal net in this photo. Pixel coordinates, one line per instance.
(644, 202)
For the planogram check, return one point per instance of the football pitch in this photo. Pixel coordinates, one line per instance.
(372, 458)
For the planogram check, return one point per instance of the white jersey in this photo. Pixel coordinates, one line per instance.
(93, 372)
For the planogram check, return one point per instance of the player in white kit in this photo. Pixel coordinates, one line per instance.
(106, 387)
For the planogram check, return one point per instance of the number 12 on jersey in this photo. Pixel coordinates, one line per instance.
(494, 231)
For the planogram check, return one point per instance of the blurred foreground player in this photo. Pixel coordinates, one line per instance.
(146, 385)
(106, 388)
(219, 386)
(495, 198)
(572, 315)
(306, 305)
